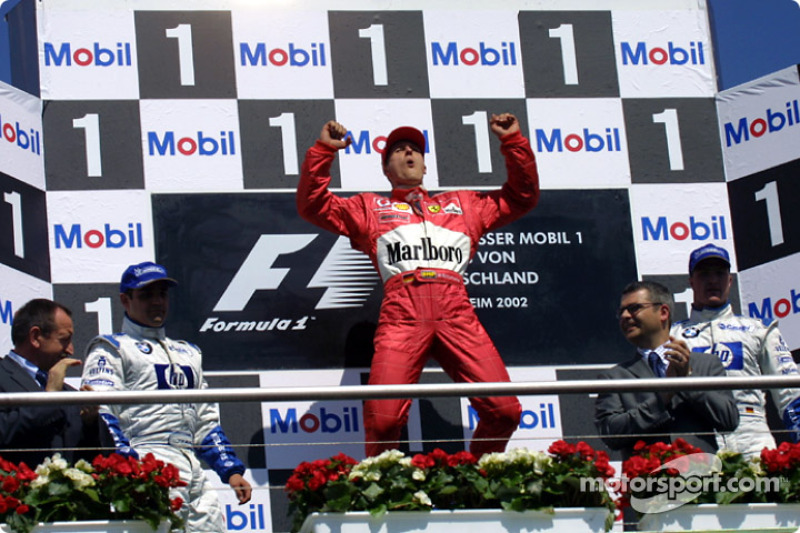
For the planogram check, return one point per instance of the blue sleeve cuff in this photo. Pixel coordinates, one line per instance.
(791, 419)
(121, 442)
(216, 451)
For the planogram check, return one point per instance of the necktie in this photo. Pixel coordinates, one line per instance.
(41, 377)
(656, 364)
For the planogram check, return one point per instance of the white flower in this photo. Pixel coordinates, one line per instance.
(84, 466)
(371, 468)
(518, 458)
(364, 473)
(490, 459)
(40, 481)
(51, 464)
(389, 457)
(755, 466)
(374, 475)
(59, 463)
(80, 480)
(421, 497)
(418, 475)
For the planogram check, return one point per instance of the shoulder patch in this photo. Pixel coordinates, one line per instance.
(110, 339)
(189, 344)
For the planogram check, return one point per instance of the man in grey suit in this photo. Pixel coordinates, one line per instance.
(42, 335)
(623, 418)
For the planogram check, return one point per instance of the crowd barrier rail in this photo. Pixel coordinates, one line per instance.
(278, 394)
(274, 491)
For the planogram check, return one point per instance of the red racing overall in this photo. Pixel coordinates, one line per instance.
(421, 245)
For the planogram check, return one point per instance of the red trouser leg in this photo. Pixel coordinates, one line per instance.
(402, 341)
(411, 316)
(467, 354)
(384, 419)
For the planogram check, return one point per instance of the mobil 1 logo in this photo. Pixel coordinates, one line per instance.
(568, 54)
(275, 136)
(92, 145)
(673, 140)
(467, 150)
(378, 54)
(185, 54)
(23, 228)
(765, 222)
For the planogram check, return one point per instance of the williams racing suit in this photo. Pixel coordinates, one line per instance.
(746, 347)
(421, 246)
(143, 358)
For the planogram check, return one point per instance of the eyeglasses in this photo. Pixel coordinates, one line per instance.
(632, 309)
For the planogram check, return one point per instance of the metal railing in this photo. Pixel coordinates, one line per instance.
(277, 394)
(305, 393)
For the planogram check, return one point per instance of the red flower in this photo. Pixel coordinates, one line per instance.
(783, 460)
(294, 483)
(317, 480)
(176, 503)
(26, 474)
(561, 448)
(462, 458)
(23, 509)
(344, 459)
(10, 484)
(150, 464)
(602, 465)
(586, 451)
(423, 461)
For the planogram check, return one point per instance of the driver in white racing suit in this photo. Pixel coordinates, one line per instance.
(746, 347)
(142, 357)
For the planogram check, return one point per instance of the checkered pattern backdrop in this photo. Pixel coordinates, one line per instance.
(175, 133)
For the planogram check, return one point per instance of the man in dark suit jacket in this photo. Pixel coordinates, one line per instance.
(623, 418)
(42, 335)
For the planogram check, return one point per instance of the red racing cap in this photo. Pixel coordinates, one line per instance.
(403, 133)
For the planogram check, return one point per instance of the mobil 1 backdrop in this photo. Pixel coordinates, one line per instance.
(267, 288)
(170, 133)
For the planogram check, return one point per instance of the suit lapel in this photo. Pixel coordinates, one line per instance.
(639, 367)
(18, 376)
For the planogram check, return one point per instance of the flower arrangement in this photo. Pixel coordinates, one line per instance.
(651, 465)
(783, 463)
(727, 477)
(516, 480)
(111, 488)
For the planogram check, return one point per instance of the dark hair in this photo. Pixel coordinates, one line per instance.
(658, 292)
(40, 313)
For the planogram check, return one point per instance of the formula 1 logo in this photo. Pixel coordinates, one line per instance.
(347, 275)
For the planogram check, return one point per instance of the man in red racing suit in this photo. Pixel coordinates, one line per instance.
(421, 246)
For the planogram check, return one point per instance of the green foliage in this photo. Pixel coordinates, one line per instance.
(516, 481)
(774, 477)
(111, 488)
